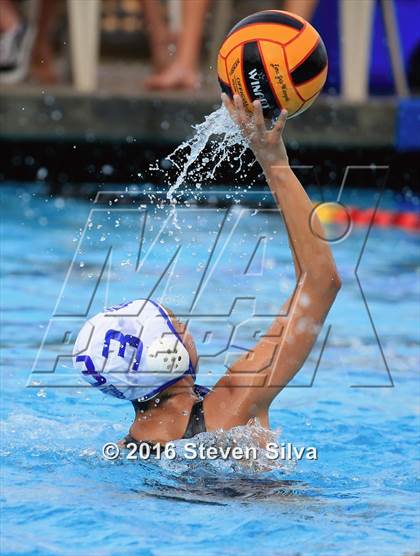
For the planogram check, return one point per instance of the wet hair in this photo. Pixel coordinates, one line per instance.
(141, 406)
(170, 313)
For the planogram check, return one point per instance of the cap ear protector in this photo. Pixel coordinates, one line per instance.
(167, 354)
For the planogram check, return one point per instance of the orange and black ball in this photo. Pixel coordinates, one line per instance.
(274, 56)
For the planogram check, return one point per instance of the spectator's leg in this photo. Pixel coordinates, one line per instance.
(304, 8)
(221, 23)
(158, 33)
(183, 73)
(9, 16)
(42, 67)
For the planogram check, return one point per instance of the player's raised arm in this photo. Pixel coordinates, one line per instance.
(285, 346)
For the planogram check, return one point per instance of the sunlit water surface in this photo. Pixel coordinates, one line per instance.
(59, 496)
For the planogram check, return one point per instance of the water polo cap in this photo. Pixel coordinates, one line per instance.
(131, 351)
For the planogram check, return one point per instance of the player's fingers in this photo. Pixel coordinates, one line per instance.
(281, 122)
(259, 117)
(240, 110)
(228, 104)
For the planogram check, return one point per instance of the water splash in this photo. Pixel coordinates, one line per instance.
(215, 481)
(49, 435)
(224, 137)
(251, 436)
(77, 447)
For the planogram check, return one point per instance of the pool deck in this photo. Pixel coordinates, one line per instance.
(115, 113)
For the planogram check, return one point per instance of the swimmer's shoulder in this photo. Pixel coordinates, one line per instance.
(226, 407)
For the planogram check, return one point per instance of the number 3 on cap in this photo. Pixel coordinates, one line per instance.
(123, 340)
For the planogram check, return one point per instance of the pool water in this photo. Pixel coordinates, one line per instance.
(355, 400)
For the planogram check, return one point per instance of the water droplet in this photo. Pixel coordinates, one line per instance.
(41, 174)
(107, 170)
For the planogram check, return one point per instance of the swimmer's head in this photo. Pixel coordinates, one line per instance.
(135, 351)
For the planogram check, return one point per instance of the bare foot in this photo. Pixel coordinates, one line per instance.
(175, 76)
(160, 57)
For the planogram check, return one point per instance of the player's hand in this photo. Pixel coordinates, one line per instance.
(267, 144)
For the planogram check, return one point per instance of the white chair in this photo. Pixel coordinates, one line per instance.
(356, 18)
(84, 26)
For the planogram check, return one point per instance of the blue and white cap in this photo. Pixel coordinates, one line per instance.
(131, 351)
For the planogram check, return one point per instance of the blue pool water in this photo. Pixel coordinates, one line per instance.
(59, 496)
